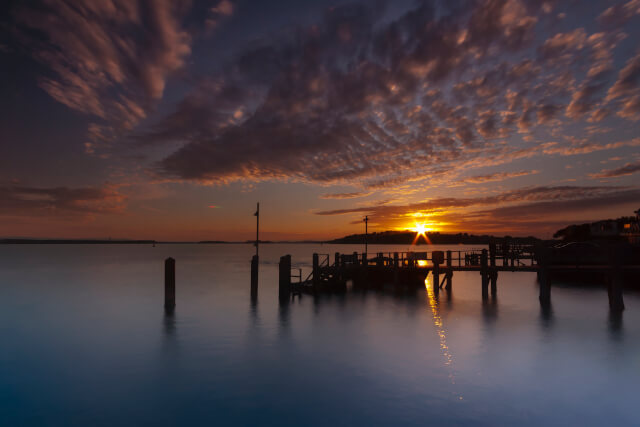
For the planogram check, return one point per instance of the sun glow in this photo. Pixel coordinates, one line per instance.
(421, 230)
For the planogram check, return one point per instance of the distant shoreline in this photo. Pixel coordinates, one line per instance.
(384, 238)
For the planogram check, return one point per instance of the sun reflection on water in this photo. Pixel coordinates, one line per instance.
(437, 322)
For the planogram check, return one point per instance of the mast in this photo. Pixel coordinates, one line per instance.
(366, 232)
(257, 215)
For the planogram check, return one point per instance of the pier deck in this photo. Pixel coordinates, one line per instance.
(410, 269)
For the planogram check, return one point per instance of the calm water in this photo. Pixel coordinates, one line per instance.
(84, 341)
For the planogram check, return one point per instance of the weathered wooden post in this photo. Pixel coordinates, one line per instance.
(484, 273)
(355, 258)
(284, 287)
(169, 284)
(494, 272)
(614, 288)
(410, 259)
(449, 272)
(544, 278)
(337, 268)
(254, 275)
(316, 272)
(437, 257)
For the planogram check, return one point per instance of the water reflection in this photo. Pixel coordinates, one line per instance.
(169, 322)
(432, 299)
(546, 316)
(490, 310)
(616, 327)
(283, 317)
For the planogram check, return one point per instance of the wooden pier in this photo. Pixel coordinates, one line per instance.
(405, 270)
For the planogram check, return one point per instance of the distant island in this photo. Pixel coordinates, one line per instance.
(407, 237)
(623, 228)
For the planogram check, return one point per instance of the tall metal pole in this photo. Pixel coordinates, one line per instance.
(257, 214)
(366, 233)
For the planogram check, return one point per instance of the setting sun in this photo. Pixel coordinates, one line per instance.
(421, 230)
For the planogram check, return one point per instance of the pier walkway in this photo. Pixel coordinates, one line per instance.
(410, 269)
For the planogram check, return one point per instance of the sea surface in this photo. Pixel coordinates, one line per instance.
(84, 341)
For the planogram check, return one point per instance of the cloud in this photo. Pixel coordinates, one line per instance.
(109, 59)
(361, 100)
(628, 169)
(494, 177)
(583, 147)
(341, 196)
(628, 80)
(221, 11)
(620, 13)
(60, 201)
(528, 211)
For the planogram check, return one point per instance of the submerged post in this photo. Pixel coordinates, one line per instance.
(316, 271)
(544, 278)
(254, 275)
(169, 283)
(616, 302)
(493, 275)
(284, 288)
(484, 273)
(449, 272)
(437, 257)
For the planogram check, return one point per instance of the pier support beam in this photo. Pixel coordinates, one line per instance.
(484, 273)
(614, 288)
(254, 276)
(284, 288)
(494, 283)
(169, 284)
(437, 257)
(316, 272)
(493, 274)
(544, 259)
(449, 272)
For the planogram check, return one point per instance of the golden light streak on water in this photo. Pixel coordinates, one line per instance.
(437, 322)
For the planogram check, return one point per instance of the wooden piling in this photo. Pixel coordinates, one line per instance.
(493, 273)
(449, 272)
(169, 283)
(494, 283)
(436, 277)
(614, 285)
(254, 274)
(484, 273)
(337, 268)
(355, 258)
(544, 259)
(316, 272)
(284, 288)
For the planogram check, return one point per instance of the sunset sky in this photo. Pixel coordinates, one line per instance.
(169, 120)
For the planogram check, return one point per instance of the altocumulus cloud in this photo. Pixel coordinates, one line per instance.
(60, 201)
(109, 59)
(360, 99)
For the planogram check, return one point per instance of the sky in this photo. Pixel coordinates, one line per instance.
(170, 120)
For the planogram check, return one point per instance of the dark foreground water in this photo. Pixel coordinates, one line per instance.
(84, 341)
